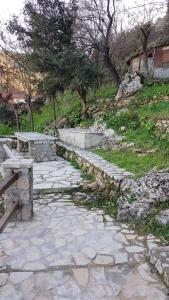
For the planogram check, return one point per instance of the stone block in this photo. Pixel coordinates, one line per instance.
(22, 190)
(84, 139)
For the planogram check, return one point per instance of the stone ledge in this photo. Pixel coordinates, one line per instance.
(94, 163)
(17, 163)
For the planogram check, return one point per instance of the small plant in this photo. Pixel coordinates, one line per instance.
(86, 175)
(75, 164)
(149, 225)
(84, 171)
(75, 117)
(86, 123)
(129, 120)
(131, 198)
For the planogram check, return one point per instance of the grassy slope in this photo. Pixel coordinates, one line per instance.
(134, 163)
(150, 107)
(69, 102)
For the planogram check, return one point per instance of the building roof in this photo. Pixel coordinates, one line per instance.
(139, 51)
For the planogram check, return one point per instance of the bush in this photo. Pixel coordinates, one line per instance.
(86, 123)
(129, 119)
(75, 117)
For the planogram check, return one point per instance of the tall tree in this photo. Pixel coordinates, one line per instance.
(144, 18)
(48, 30)
(97, 28)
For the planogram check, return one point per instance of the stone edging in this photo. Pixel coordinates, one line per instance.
(159, 257)
(94, 163)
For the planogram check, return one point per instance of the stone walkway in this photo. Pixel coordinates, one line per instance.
(55, 176)
(69, 252)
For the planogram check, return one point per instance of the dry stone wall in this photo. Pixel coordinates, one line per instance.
(94, 163)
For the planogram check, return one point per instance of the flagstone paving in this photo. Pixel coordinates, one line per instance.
(55, 176)
(69, 252)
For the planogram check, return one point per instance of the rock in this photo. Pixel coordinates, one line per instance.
(145, 272)
(110, 137)
(104, 260)
(20, 276)
(3, 279)
(80, 259)
(163, 217)
(89, 252)
(121, 258)
(134, 249)
(130, 85)
(81, 276)
(123, 128)
(146, 192)
(59, 243)
(110, 133)
(108, 218)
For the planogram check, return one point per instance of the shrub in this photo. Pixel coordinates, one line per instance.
(75, 117)
(128, 119)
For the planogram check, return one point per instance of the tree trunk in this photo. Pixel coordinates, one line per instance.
(145, 62)
(111, 67)
(30, 114)
(54, 107)
(83, 95)
(17, 119)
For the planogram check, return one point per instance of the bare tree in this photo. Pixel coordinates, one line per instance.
(144, 18)
(96, 29)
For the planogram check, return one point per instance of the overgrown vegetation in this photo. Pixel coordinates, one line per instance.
(138, 122)
(85, 174)
(150, 225)
(109, 205)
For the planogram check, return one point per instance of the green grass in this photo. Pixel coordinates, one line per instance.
(157, 110)
(106, 91)
(140, 128)
(6, 130)
(84, 171)
(109, 206)
(69, 106)
(68, 102)
(156, 91)
(131, 161)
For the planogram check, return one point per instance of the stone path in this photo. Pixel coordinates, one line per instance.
(55, 176)
(69, 252)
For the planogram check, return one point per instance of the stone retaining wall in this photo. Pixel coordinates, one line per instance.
(95, 164)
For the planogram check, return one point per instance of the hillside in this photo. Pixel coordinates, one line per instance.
(146, 146)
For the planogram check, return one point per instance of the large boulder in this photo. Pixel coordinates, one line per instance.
(110, 136)
(139, 197)
(129, 86)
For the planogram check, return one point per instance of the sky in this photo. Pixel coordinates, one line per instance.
(9, 7)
